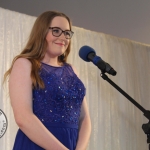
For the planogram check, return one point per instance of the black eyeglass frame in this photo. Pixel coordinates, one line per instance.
(62, 31)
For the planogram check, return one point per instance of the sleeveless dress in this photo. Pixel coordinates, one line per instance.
(57, 106)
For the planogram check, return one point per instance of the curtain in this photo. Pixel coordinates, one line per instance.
(116, 122)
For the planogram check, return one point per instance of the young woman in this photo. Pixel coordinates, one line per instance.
(47, 97)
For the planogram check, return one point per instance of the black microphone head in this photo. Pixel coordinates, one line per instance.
(84, 51)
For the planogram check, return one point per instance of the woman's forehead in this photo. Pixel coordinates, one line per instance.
(60, 22)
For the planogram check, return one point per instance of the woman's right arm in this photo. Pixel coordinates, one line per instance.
(20, 90)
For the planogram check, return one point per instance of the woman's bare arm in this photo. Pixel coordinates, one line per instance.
(84, 128)
(20, 89)
(85, 124)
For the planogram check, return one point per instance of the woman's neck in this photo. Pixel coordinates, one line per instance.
(52, 61)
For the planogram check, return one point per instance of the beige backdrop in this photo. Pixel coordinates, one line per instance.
(116, 123)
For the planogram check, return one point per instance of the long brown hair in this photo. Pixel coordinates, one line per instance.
(36, 46)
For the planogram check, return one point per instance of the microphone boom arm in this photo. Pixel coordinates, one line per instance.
(145, 127)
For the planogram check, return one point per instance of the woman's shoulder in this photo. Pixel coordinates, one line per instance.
(22, 62)
(21, 65)
(74, 69)
(20, 72)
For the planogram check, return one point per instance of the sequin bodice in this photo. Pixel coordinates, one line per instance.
(60, 101)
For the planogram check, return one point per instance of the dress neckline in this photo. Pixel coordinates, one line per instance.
(53, 66)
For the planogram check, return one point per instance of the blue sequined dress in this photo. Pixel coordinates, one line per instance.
(57, 106)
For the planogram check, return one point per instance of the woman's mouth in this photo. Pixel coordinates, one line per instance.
(60, 44)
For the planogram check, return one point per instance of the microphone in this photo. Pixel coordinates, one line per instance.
(88, 54)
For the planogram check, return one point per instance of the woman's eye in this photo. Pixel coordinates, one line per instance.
(67, 33)
(56, 31)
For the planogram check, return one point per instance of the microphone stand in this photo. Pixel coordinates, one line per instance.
(145, 127)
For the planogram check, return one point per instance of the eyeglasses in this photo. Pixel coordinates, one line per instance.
(57, 32)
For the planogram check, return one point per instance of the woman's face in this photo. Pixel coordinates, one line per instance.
(57, 45)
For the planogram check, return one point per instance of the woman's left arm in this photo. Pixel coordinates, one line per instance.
(84, 124)
(84, 127)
